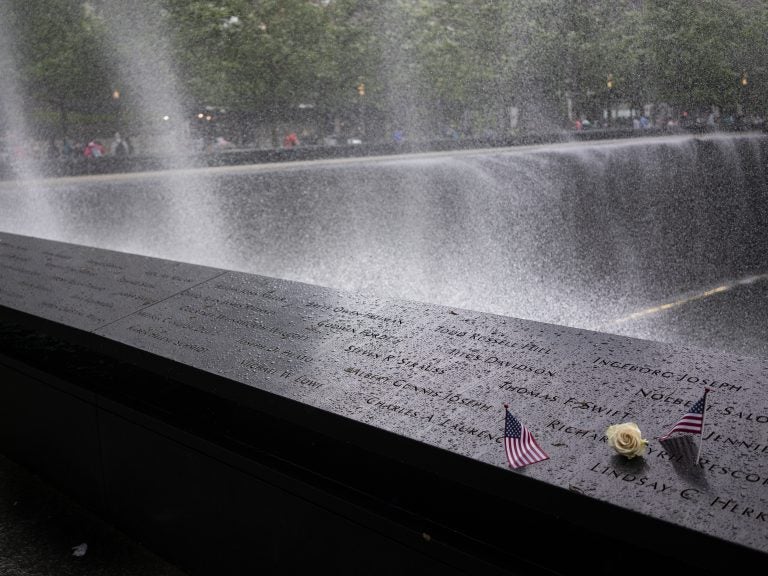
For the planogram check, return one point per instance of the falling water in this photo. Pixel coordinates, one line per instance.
(138, 35)
(575, 234)
(30, 205)
(12, 110)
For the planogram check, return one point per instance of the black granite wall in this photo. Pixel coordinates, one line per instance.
(279, 420)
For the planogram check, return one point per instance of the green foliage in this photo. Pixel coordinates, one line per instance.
(424, 63)
(61, 55)
(246, 55)
(694, 47)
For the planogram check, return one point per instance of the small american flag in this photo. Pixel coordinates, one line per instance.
(520, 445)
(692, 421)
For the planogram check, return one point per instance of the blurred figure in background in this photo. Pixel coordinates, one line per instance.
(290, 140)
(94, 149)
(118, 147)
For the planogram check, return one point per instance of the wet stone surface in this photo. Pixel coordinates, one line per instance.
(441, 376)
(80, 287)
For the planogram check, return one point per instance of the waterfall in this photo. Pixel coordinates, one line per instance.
(575, 234)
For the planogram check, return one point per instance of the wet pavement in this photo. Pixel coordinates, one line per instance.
(40, 529)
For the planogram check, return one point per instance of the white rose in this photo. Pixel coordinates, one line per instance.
(626, 439)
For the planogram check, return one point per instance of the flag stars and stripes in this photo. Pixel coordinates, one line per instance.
(520, 445)
(692, 421)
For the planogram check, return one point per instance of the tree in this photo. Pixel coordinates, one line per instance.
(61, 52)
(348, 60)
(694, 48)
(468, 55)
(424, 64)
(751, 57)
(251, 56)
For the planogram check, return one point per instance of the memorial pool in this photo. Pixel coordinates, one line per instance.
(139, 384)
(661, 238)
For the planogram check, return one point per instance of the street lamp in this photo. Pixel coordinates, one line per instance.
(361, 93)
(744, 81)
(610, 85)
(118, 109)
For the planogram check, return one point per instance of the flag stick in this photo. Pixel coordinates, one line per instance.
(703, 416)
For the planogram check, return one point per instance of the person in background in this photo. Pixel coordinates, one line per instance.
(290, 140)
(118, 147)
(221, 143)
(67, 150)
(94, 149)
